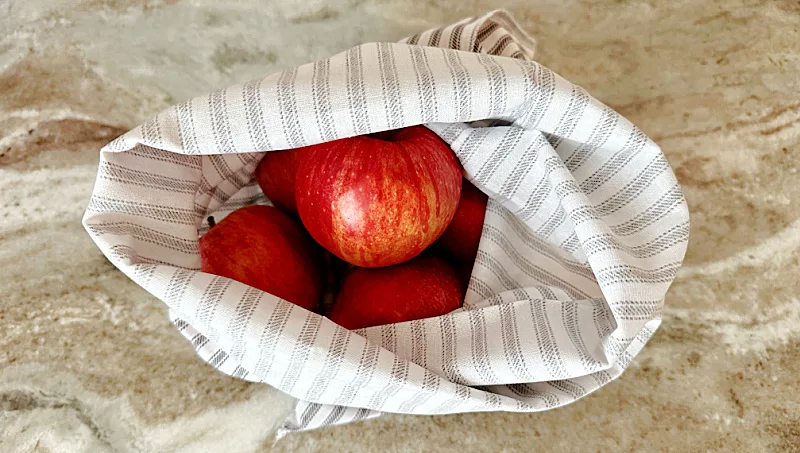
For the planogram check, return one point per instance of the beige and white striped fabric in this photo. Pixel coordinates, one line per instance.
(584, 233)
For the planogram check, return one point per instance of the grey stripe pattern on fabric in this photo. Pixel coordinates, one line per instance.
(585, 229)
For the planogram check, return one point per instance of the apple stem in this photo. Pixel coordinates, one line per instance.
(211, 221)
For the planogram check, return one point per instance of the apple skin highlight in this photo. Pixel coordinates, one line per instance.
(381, 199)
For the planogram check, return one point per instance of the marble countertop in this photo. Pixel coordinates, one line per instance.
(89, 362)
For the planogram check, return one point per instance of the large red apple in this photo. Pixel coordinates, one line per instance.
(380, 199)
(463, 235)
(421, 288)
(276, 175)
(262, 247)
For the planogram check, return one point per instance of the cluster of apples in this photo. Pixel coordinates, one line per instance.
(393, 205)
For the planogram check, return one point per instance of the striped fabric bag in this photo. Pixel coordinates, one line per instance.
(585, 229)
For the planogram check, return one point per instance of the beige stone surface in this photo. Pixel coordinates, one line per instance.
(89, 362)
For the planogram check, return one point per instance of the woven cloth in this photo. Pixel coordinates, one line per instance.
(585, 229)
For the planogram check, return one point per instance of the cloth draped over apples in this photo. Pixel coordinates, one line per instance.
(584, 229)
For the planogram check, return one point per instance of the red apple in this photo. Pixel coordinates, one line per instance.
(263, 247)
(381, 199)
(276, 175)
(463, 235)
(421, 288)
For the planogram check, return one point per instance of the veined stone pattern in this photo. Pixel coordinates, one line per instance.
(90, 363)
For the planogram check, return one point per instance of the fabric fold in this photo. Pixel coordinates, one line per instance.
(585, 229)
